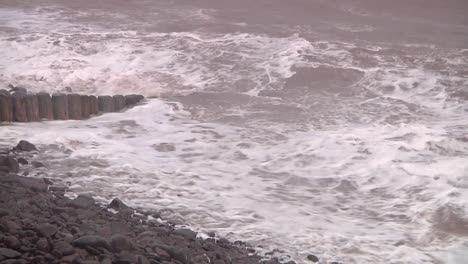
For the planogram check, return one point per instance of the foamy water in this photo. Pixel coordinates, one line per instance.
(295, 141)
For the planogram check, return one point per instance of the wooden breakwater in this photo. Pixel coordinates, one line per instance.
(21, 106)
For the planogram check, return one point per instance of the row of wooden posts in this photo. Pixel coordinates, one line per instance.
(23, 107)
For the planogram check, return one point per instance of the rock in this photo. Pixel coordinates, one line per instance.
(106, 104)
(63, 248)
(117, 204)
(211, 234)
(82, 201)
(17, 89)
(74, 106)
(4, 212)
(185, 232)
(46, 230)
(22, 161)
(46, 110)
(37, 164)
(120, 243)
(162, 254)
(141, 260)
(75, 258)
(312, 258)
(201, 259)
(9, 253)
(91, 241)
(24, 145)
(12, 242)
(43, 245)
(11, 163)
(4, 92)
(180, 254)
(133, 99)
(60, 106)
(123, 257)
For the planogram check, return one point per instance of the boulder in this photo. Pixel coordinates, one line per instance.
(117, 204)
(82, 201)
(74, 107)
(120, 243)
(9, 253)
(312, 258)
(63, 248)
(60, 106)
(91, 241)
(185, 232)
(46, 230)
(24, 145)
(46, 110)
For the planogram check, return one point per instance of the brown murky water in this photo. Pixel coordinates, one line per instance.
(337, 128)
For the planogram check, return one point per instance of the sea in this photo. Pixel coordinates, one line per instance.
(327, 127)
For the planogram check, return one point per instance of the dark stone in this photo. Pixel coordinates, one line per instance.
(133, 99)
(91, 241)
(11, 163)
(4, 212)
(17, 89)
(32, 108)
(46, 110)
(9, 253)
(37, 164)
(185, 232)
(180, 254)
(19, 108)
(162, 254)
(6, 108)
(141, 260)
(46, 230)
(201, 259)
(120, 243)
(312, 258)
(63, 248)
(60, 106)
(123, 258)
(119, 102)
(117, 204)
(24, 145)
(211, 234)
(43, 245)
(22, 161)
(12, 242)
(82, 201)
(106, 104)
(74, 107)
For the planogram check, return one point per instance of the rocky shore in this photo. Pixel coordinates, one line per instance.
(39, 224)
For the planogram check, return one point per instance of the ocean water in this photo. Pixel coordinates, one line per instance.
(338, 128)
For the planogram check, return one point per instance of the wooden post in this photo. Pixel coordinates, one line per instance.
(46, 111)
(133, 99)
(119, 102)
(106, 104)
(32, 108)
(60, 105)
(74, 106)
(6, 108)
(85, 106)
(93, 105)
(19, 107)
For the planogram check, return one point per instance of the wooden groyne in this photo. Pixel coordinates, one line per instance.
(20, 106)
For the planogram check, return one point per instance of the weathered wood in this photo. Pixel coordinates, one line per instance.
(133, 99)
(60, 105)
(6, 108)
(46, 110)
(93, 105)
(32, 108)
(106, 104)
(119, 102)
(19, 107)
(74, 106)
(85, 106)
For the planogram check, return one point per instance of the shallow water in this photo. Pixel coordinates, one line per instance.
(338, 129)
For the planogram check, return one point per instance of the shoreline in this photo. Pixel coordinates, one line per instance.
(40, 224)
